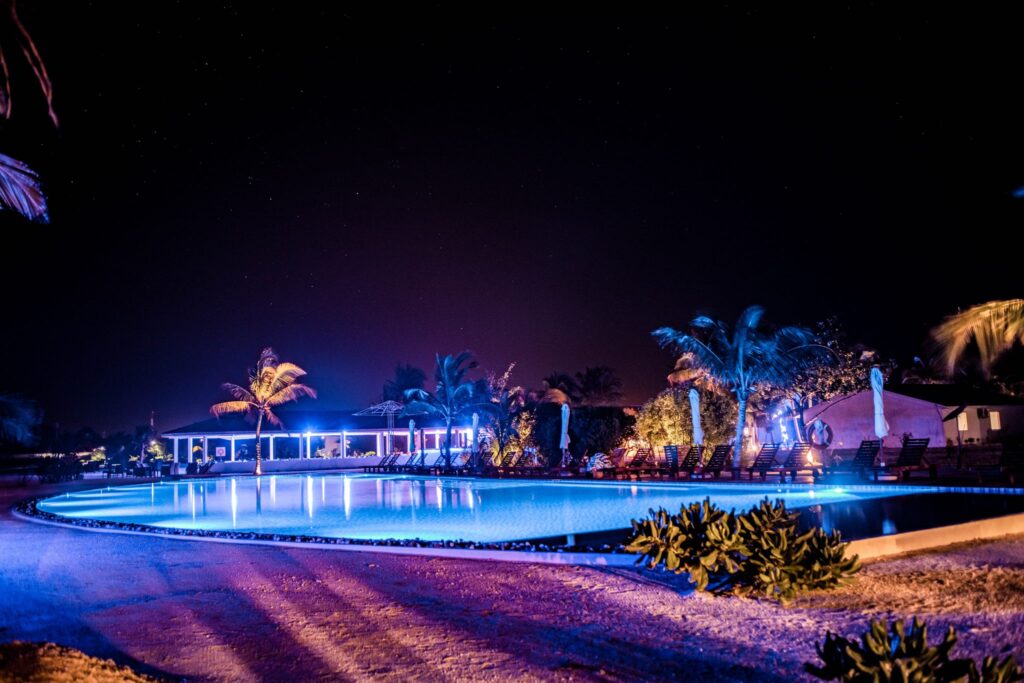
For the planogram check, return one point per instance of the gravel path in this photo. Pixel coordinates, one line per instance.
(211, 611)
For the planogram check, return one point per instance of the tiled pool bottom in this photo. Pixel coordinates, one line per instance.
(358, 506)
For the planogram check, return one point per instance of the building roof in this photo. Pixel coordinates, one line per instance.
(953, 395)
(298, 421)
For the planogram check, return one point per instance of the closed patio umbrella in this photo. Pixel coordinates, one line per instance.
(412, 436)
(881, 426)
(563, 442)
(698, 433)
(476, 436)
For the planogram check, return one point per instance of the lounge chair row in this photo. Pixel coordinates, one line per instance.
(770, 461)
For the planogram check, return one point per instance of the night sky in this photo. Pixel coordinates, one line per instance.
(360, 190)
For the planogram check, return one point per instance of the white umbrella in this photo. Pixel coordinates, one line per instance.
(698, 433)
(563, 442)
(476, 433)
(412, 436)
(877, 384)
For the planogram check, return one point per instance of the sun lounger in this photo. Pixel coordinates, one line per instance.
(764, 461)
(516, 465)
(571, 469)
(910, 459)
(861, 462)
(796, 462)
(415, 462)
(382, 464)
(690, 462)
(642, 463)
(671, 456)
(716, 463)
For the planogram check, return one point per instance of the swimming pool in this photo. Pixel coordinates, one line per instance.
(366, 506)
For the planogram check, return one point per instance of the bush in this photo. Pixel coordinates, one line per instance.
(592, 429)
(889, 653)
(59, 468)
(756, 553)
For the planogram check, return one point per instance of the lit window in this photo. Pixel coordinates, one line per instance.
(994, 421)
(961, 422)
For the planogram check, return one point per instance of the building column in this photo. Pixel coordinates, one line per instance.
(206, 449)
(344, 445)
(232, 448)
(309, 452)
(175, 451)
(271, 446)
(379, 451)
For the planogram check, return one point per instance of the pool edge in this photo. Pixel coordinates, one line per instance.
(937, 537)
(873, 548)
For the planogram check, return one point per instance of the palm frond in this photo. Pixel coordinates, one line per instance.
(994, 326)
(240, 393)
(290, 393)
(701, 354)
(20, 191)
(28, 48)
(5, 86)
(285, 374)
(272, 418)
(230, 408)
(424, 407)
(463, 393)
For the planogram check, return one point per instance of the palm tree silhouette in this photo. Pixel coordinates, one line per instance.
(599, 386)
(453, 395)
(406, 377)
(271, 384)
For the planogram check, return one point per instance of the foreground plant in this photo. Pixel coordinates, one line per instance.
(892, 653)
(756, 553)
(702, 540)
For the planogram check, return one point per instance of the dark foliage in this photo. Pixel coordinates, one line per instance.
(592, 429)
(891, 653)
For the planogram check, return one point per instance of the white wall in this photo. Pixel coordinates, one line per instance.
(852, 419)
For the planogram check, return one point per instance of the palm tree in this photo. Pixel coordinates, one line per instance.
(271, 384)
(561, 387)
(406, 377)
(599, 386)
(994, 326)
(743, 360)
(453, 395)
(504, 417)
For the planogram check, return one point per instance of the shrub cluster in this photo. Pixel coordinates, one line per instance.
(893, 654)
(755, 553)
(59, 468)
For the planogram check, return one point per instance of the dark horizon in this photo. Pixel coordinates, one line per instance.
(358, 191)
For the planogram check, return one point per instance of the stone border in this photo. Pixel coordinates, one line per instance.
(924, 539)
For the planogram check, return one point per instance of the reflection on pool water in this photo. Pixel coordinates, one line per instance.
(365, 506)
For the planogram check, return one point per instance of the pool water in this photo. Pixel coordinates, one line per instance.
(366, 506)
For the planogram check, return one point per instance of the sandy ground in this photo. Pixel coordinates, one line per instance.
(211, 611)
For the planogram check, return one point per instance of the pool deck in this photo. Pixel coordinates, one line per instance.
(212, 611)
